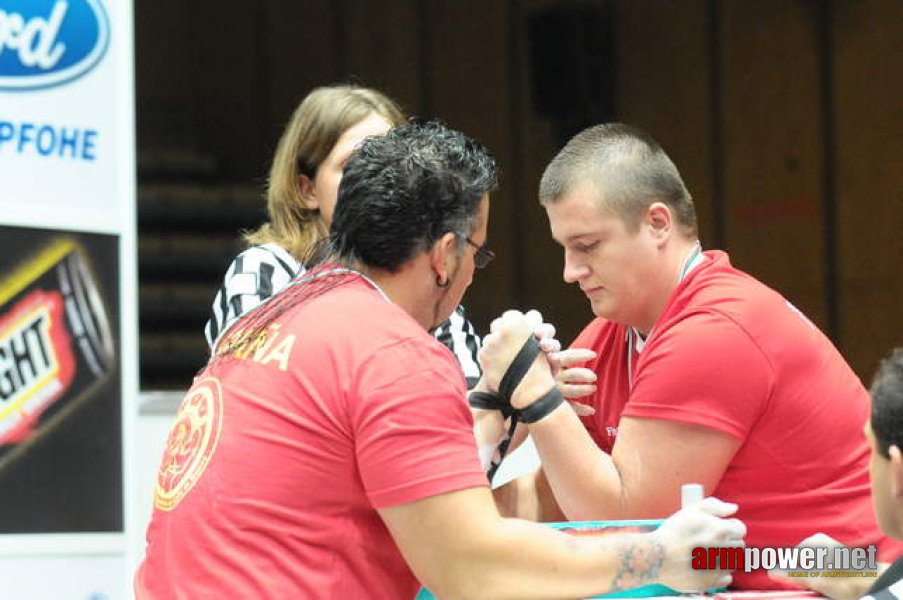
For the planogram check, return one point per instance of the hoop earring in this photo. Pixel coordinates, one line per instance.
(440, 283)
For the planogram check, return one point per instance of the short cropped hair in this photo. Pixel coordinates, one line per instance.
(887, 403)
(628, 169)
(403, 191)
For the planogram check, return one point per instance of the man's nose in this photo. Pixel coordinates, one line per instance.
(574, 271)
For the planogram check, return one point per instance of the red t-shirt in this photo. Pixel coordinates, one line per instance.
(731, 354)
(277, 461)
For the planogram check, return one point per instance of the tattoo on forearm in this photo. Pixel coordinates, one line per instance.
(641, 563)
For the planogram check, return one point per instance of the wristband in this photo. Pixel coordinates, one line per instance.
(518, 368)
(490, 401)
(541, 407)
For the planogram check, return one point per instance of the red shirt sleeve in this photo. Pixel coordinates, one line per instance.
(413, 428)
(589, 339)
(705, 370)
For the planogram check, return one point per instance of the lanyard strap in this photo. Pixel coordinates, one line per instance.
(694, 259)
(633, 336)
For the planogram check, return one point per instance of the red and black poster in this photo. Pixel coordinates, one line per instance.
(60, 410)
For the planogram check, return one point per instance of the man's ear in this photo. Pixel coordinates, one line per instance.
(443, 255)
(896, 471)
(308, 192)
(659, 220)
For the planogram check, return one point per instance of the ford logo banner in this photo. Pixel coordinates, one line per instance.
(44, 43)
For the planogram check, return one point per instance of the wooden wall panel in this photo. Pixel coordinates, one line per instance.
(166, 102)
(772, 147)
(231, 86)
(868, 59)
(384, 50)
(542, 260)
(664, 87)
(467, 86)
(301, 50)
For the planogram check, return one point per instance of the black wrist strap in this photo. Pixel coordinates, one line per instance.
(518, 368)
(502, 450)
(541, 407)
(489, 401)
(510, 380)
(502, 401)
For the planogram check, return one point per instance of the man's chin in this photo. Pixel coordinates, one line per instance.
(604, 311)
(599, 309)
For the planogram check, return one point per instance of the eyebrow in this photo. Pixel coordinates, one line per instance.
(579, 236)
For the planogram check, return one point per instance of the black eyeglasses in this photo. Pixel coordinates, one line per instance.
(483, 255)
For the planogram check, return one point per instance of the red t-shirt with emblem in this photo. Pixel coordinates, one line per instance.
(731, 354)
(277, 462)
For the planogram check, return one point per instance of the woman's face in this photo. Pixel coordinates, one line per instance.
(324, 188)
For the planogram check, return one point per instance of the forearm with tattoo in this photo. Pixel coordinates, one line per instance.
(640, 563)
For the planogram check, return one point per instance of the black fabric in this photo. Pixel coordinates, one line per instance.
(892, 575)
(884, 594)
(518, 368)
(538, 409)
(541, 407)
(444, 335)
(470, 342)
(502, 450)
(510, 380)
(285, 266)
(490, 401)
(265, 281)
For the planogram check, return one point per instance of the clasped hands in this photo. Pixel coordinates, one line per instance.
(552, 366)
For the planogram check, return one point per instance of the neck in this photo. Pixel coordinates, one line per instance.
(322, 228)
(409, 287)
(677, 256)
(691, 255)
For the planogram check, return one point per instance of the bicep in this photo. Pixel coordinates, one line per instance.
(703, 371)
(655, 457)
(412, 427)
(700, 390)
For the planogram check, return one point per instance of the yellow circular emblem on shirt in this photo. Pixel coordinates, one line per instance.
(191, 443)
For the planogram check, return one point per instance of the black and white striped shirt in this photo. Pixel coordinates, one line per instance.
(890, 585)
(893, 592)
(261, 271)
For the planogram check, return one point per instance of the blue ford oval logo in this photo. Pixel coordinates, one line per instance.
(44, 43)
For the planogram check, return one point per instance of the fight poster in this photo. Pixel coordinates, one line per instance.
(60, 419)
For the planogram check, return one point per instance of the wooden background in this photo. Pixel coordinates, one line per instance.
(784, 116)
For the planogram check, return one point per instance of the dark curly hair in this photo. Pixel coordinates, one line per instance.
(402, 191)
(399, 194)
(887, 403)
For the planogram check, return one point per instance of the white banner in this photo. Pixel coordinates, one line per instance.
(66, 105)
(68, 301)
(62, 578)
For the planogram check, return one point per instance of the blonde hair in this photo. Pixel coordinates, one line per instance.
(316, 125)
